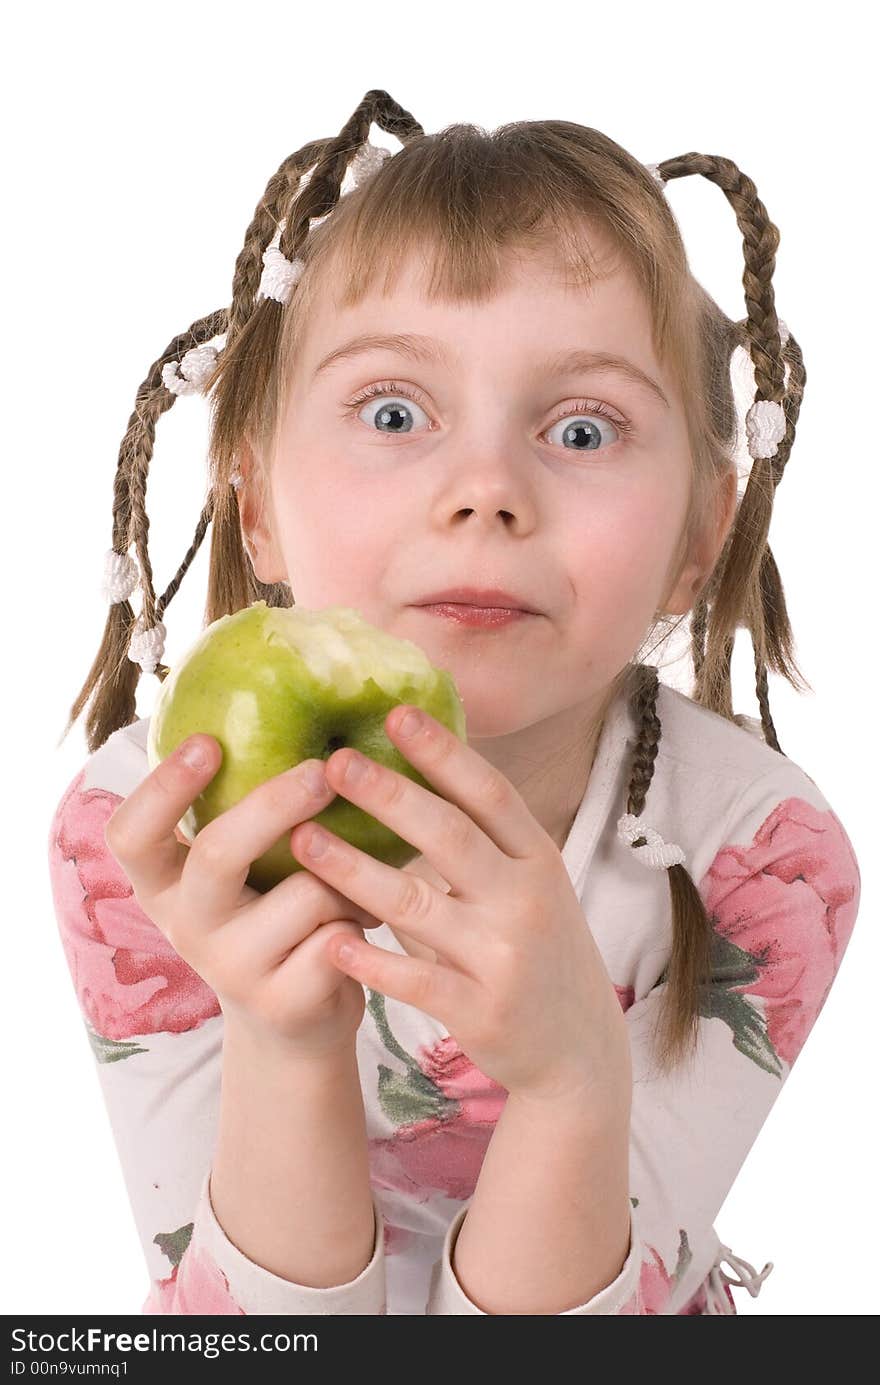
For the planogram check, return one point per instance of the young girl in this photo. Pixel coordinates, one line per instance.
(473, 373)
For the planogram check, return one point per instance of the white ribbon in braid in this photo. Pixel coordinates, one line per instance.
(655, 853)
(194, 370)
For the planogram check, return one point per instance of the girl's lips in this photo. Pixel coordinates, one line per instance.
(487, 616)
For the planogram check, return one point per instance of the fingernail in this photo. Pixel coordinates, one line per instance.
(317, 844)
(194, 754)
(316, 779)
(410, 724)
(356, 769)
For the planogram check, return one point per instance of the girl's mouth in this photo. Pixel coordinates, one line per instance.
(487, 616)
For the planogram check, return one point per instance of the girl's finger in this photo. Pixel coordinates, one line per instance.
(142, 833)
(463, 776)
(220, 858)
(263, 931)
(445, 835)
(403, 900)
(438, 991)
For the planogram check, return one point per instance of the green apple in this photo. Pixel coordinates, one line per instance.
(278, 685)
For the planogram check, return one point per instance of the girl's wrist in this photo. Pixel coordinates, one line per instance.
(261, 1050)
(599, 1088)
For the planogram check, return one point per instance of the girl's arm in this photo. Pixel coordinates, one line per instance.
(782, 894)
(290, 1180)
(565, 1172)
(157, 1040)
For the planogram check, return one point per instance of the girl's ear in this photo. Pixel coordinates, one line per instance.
(255, 518)
(695, 574)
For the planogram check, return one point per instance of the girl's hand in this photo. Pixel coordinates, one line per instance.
(519, 982)
(264, 955)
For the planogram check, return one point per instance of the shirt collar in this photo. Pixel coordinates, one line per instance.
(602, 795)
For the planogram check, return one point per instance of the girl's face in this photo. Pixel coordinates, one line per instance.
(477, 460)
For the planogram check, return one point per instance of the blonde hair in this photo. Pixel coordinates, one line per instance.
(463, 199)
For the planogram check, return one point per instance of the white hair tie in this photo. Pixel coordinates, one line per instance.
(194, 369)
(121, 576)
(146, 647)
(367, 161)
(765, 427)
(656, 853)
(279, 275)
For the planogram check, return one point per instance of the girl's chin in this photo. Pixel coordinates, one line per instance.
(485, 719)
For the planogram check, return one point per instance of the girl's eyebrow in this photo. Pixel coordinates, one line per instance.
(427, 350)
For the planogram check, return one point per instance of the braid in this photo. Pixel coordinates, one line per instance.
(764, 701)
(746, 585)
(688, 969)
(644, 706)
(113, 677)
(252, 325)
(744, 588)
(699, 625)
(280, 190)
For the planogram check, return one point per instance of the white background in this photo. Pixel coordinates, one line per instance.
(139, 139)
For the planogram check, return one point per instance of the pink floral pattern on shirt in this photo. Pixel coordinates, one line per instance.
(441, 1151)
(195, 1286)
(783, 910)
(127, 976)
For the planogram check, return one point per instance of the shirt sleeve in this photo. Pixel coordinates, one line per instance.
(155, 1030)
(782, 895)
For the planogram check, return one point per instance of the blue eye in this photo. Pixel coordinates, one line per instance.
(395, 415)
(581, 430)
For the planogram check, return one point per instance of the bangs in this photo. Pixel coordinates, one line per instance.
(464, 259)
(464, 205)
(461, 202)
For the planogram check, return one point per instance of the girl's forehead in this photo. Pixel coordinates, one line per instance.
(538, 287)
(420, 273)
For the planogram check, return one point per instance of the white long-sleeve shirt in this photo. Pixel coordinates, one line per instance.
(781, 885)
